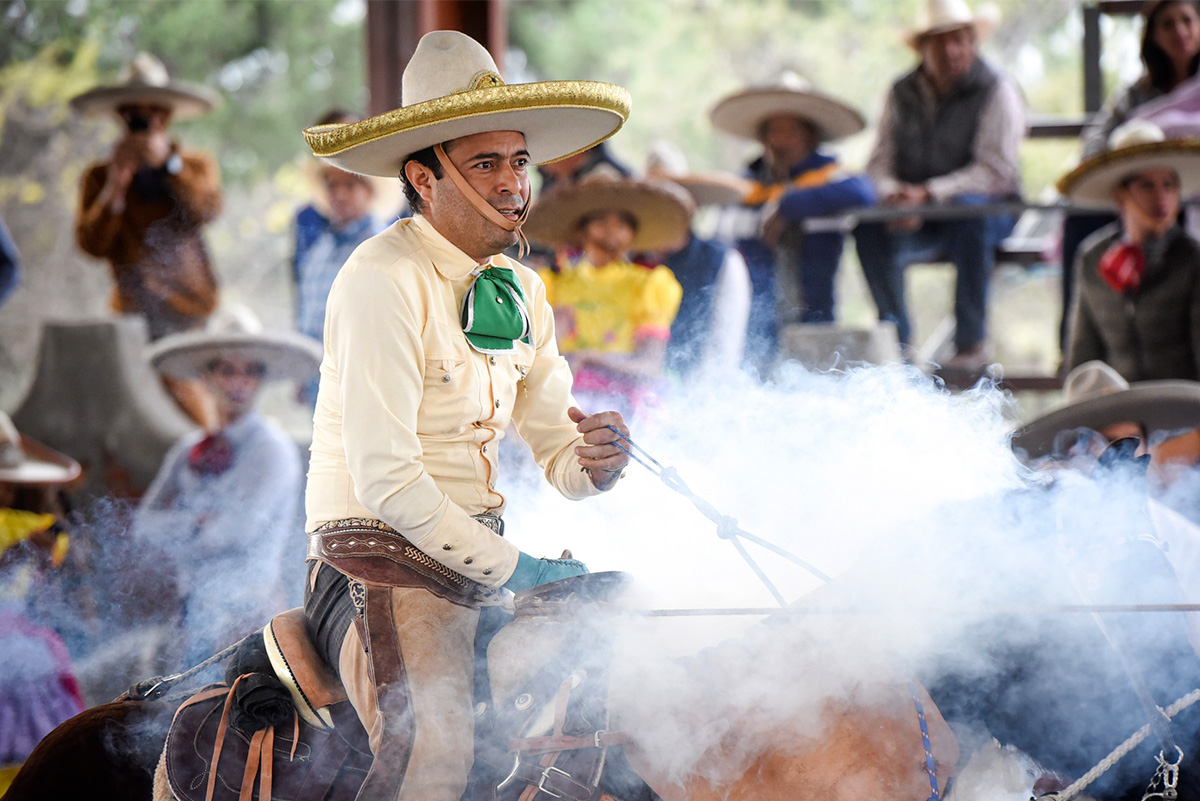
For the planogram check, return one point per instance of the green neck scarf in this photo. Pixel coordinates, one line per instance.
(494, 315)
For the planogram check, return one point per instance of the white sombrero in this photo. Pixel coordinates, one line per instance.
(742, 113)
(145, 80)
(1135, 146)
(662, 209)
(235, 331)
(943, 16)
(24, 460)
(665, 161)
(451, 88)
(1098, 397)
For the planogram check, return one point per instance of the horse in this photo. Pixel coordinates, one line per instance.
(562, 717)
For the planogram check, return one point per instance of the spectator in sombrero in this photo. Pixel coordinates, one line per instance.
(612, 317)
(949, 134)
(143, 210)
(38, 688)
(347, 210)
(792, 180)
(224, 503)
(1137, 305)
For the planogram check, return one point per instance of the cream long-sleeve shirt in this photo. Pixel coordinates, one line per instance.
(409, 418)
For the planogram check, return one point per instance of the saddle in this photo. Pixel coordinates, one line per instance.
(543, 735)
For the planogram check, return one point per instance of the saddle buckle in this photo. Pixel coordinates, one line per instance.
(541, 785)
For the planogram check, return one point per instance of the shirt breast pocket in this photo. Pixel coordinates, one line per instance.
(445, 374)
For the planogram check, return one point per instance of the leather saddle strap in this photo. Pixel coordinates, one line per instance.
(222, 729)
(567, 742)
(555, 782)
(391, 694)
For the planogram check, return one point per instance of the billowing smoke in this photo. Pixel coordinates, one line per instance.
(954, 565)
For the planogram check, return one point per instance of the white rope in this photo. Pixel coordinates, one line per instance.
(1080, 784)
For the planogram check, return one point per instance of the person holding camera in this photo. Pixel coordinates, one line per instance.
(143, 211)
(144, 208)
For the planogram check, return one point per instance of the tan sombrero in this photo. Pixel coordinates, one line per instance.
(662, 209)
(666, 162)
(235, 331)
(24, 460)
(1136, 146)
(742, 113)
(145, 80)
(1157, 405)
(943, 16)
(451, 88)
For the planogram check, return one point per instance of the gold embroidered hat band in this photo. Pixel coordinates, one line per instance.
(450, 89)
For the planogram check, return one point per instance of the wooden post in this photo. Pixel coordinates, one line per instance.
(395, 26)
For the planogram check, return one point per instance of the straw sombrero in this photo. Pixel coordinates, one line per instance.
(662, 209)
(1157, 405)
(666, 161)
(235, 331)
(451, 88)
(1136, 146)
(24, 460)
(742, 113)
(943, 16)
(145, 80)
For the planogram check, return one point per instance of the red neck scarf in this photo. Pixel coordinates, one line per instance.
(1122, 266)
(212, 455)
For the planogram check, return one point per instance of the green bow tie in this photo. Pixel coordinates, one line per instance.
(493, 311)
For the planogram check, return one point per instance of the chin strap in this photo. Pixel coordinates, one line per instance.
(482, 206)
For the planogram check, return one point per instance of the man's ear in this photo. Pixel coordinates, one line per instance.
(421, 178)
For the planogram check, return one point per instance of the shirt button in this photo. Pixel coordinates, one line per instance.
(497, 404)
(446, 547)
(485, 448)
(445, 379)
(499, 300)
(487, 571)
(492, 359)
(468, 561)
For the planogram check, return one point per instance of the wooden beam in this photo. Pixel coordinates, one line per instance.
(395, 26)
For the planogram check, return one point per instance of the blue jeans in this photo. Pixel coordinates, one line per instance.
(969, 244)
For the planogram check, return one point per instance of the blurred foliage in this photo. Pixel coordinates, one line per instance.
(679, 57)
(278, 64)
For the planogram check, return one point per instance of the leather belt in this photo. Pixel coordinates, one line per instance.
(373, 552)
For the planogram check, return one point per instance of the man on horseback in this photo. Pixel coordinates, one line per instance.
(434, 341)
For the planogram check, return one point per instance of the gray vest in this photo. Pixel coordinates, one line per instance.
(928, 147)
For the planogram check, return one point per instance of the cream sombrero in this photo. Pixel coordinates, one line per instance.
(665, 161)
(742, 113)
(1136, 146)
(1157, 405)
(943, 16)
(24, 460)
(451, 88)
(145, 80)
(662, 209)
(235, 331)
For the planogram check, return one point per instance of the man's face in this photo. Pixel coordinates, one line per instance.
(235, 382)
(495, 165)
(608, 232)
(1149, 201)
(947, 56)
(349, 195)
(787, 140)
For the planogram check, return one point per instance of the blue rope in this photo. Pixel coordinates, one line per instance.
(930, 762)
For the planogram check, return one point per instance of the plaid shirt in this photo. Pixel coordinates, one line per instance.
(318, 259)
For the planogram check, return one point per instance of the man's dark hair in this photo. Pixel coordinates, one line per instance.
(426, 158)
